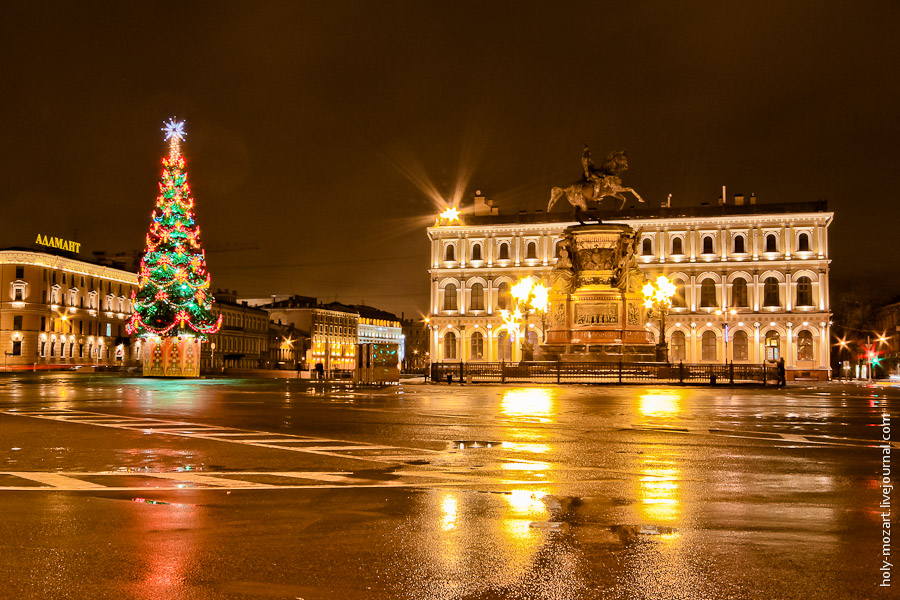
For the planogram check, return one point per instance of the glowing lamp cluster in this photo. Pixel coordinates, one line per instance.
(449, 216)
(659, 294)
(532, 294)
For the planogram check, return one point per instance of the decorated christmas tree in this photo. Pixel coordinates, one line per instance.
(172, 311)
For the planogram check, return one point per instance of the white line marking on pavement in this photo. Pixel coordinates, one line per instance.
(231, 435)
(56, 480)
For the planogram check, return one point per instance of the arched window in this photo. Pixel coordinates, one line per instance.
(708, 245)
(678, 352)
(476, 297)
(503, 296)
(804, 291)
(805, 345)
(739, 292)
(677, 247)
(803, 242)
(450, 297)
(708, 294)
(773, 345)
(477, 341)
(504, 251)
(647, 247)
(531, 250)
(450, 253)
(532, 338)
(708, 350)
(504, 347)
(740, 347)
(771, 243)
(476, 252)
(679, 298)
(739, 247)
(449, 345)
(771, 297)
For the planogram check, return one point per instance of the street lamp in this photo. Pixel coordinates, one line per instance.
(845, 369)
(725, 315)
(531, 296)
(658, 297)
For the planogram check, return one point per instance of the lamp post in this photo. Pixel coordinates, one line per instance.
(658, 297)
(726, 315)
(530, 296)
(844, 369)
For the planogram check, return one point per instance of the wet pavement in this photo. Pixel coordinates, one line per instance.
(114, 487)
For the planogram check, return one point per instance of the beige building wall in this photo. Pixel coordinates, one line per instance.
(62, 311)
(781, 258)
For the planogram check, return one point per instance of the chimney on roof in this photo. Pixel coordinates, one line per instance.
(738, 199)
(483, 206)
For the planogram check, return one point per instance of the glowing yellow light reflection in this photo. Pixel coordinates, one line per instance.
(449, 512)
(659, 490)
(519, 447)
(526, 502)
(660, 404)
(525, 466)
(536, 404)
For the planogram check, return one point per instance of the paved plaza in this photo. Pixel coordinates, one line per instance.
(115, 487)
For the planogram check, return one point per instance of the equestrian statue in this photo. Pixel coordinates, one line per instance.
(596, 184)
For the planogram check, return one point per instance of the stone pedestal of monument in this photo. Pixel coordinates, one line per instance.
(597, 312)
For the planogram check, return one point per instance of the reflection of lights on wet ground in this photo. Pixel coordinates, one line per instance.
(525, 466)
(519, 447)
(525, 506)
(537, 404)
(449, 511)
(526, 502)
(660, 404)
(659, 490)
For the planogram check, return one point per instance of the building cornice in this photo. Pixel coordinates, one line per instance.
(71, 265)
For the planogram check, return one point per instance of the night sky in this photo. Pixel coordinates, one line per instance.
(326, 133)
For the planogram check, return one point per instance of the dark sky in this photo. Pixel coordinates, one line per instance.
(324, 131)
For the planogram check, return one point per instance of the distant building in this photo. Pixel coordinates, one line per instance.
(62, 311)
(887, 324)
(287, 347)
(243, 340)
(332, 330)
(767, 262)
(416, 348)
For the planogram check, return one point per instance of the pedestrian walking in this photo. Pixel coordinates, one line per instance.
(782, 380)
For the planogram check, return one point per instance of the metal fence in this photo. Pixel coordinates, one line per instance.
(579, 372)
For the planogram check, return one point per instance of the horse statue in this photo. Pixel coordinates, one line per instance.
(596, 183)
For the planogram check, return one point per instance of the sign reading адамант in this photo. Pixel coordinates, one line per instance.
(59, 243)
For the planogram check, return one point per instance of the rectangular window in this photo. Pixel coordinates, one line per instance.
(43, 348)
(19, 295)
(20, 272)
(17, 348)
(43, 325)
(108, 330)
(17, 322)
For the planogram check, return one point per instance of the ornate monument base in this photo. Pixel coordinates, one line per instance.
(171, 357)
(597, 310)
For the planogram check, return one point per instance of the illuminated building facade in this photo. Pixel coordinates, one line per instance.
(332, 330)
(242, 341)
(61, 311)
(752, 280)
